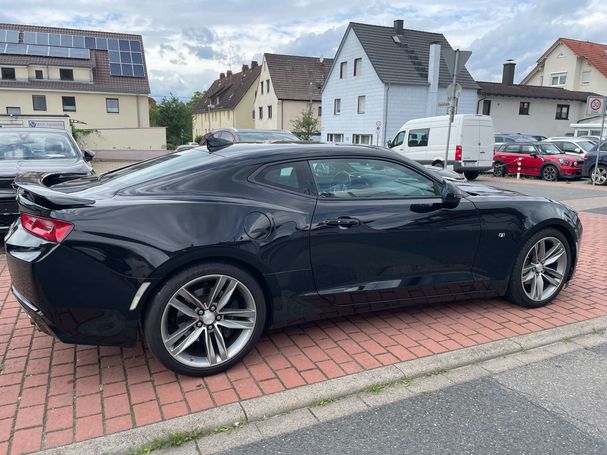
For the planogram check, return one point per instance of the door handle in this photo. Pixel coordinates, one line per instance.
(342, 221)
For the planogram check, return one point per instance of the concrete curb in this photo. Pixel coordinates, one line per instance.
(467, 363)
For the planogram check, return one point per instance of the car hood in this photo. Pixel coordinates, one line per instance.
(65, 166)
(483, 190)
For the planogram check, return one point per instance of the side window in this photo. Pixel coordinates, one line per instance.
(398, 139)
(528, 149)
(361, 178)
(512, 148)
(291, 176)
(418, 138)
(225, 136)
(567, 146)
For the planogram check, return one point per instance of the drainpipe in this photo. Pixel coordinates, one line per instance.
(478, 104)
(385, 120)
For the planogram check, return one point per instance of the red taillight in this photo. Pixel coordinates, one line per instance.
(458, 153)
(46, 228)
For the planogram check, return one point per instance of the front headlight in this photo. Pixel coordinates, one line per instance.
(564, 161)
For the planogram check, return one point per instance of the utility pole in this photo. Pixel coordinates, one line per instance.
(209, 111)
(451, 108)
(598, 147)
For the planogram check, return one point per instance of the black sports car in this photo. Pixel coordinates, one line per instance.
(205, 249)
(35, 149)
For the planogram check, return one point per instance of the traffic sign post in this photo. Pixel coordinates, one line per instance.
(377, 130)
(597, 105)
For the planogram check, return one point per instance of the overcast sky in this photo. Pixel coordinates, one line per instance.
(189, 42)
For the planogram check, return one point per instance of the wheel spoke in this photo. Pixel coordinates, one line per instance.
(227, 294)
(221, 281)
(191, 298)
(182, 307)
(221, 344)
(554, 254)
(538, 287)
(530, 275)
(232, 324)
(551, 280)
(172, 339)
(541, 250)
(189, 340)
(244, 313)
(208, 342)
(553, 273)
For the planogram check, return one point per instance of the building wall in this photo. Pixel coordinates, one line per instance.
(541, 118)
(243, 114)
(90, 107)
(349, 122)
(288, 111)
(126, 139)
(223, 118)
(265, 99)
(563, 59)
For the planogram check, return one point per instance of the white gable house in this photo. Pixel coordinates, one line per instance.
(384, 76)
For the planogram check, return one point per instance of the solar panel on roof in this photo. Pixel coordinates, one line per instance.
(127, 70)
(101, 43)
(125, 57)
(138, 71)
(42, 39)
(112, 44)
(54, 39)
(114, 56)
(89, 42)
(125, 45)
(137, 57)
(80, 53)
(115, 69)
(78, 41)
(59, 52)
(135, 46)
(14, 48)
(33, 49)
(12, 36)
(29, 37)
(67, 40)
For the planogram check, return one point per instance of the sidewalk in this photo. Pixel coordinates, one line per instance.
(52, 394)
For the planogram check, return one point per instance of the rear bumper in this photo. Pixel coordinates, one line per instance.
(460, 167)
(36, 316)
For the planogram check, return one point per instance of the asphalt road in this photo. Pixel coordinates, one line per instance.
(557, 406)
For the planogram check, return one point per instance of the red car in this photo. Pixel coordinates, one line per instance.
(539, 159)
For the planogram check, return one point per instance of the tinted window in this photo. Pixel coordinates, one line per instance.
(418, 138)
(290, 176)
(549, 149)
(36, 146)
(365, 178)
(259, 136)
(512, 149)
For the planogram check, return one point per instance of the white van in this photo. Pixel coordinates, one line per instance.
(470, 148)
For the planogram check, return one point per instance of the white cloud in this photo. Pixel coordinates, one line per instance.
(189, 42)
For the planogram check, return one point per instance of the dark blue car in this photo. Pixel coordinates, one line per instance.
(590, 164)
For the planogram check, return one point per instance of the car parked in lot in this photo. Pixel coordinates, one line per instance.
(503, 138)
(572, 146)
(206, 249)
(250, 135)
(597, 174)
(36, 149)
(538, 159)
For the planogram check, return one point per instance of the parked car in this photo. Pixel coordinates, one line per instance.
(538, 137)
(447, 174)
(539, 159)
(572, 146)
(470, 146)
(36, 149)
(251, 135)
(600, 178)
(205, 250)
(183, 147)
(503, 138)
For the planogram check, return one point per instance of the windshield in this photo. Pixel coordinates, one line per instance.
(36, 145)
(586, 146)
(259, 136)
(549, 149)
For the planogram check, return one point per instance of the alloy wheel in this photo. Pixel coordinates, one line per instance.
(208, 321)
(600, 176)
(544, 269)
(550, 173)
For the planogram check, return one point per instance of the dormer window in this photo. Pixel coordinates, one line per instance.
(66, 74)
(8, 74)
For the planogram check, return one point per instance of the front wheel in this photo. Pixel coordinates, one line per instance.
(550, 173)
(471, 175)
(540, 270)
(499, 169)
(600, 176)
(205, 319)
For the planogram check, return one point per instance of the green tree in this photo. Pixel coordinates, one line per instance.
(195, 98)
(176, 116)
(305, 125)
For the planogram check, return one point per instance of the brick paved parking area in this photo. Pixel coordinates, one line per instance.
(53, 394)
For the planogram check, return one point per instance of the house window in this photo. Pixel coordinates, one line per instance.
(586, 77)
(523, 108)
(337, 106)
(66, 74)
(559, 78)
(39, 102)
(262, 87)
(335, 137)
(39, 74)
(13, 110)
(260, 112)
(8, 73)
(562, 112)
(343, 69)
(486, 107)
(320, 111)
(69, 103)
(365, 139)
(112, 106)
(541, 80)
(269, 111)
(267, 85)
(361, 105)
(358, 64)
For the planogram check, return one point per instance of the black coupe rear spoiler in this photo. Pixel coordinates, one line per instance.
(31, 187)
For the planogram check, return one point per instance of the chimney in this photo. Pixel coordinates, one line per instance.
(433, 72)
(254, 64)
(398, 26)
(229, 73)
(508, 72)
(245, 68)
(222, 76)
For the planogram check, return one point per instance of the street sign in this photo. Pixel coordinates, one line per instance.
(378, 125)
(450, 60)
(595, 105)
(454, 93)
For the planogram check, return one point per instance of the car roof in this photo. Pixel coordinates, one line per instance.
(252, 130)
(31, 130)
(293, 150)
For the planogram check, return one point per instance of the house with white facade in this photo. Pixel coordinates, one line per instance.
(288, 86)
(530, 109)
(382, 77)
(572, 65)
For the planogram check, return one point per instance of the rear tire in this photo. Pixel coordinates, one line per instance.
(499, 169)
(540, 273)
(205, 319)
(550, 173)
(437, 163)
(471, 175)
(601, 176)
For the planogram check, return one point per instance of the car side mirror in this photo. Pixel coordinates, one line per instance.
(450, 195)
(389, 143)
(88, 155)
(533, 154)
